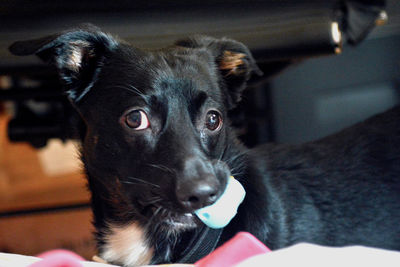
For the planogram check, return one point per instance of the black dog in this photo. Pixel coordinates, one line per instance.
(157, 145)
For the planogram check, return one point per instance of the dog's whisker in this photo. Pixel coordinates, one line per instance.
(237, 174)
(162, 167)
(157, 211)
(221, 156)
(237, 171)
(131, 183)
(130, 88)
(153, 217)
(236, 160)
(141, 181)
(154, 201)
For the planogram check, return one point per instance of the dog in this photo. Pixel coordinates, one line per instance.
(157, 144)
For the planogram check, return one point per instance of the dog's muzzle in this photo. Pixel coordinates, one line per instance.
(200, 184)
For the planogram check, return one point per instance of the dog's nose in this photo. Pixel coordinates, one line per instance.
(196, 194)
(198, 186)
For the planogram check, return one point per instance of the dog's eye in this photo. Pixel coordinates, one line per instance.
(213, 120)
(137, 120)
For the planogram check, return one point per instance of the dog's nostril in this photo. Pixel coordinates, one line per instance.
(193, 199)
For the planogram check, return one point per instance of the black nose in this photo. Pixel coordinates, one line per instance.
(196, 194)
(198, 186)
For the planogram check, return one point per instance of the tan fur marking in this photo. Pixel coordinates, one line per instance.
(96, 258)
(77, 53)
(126, 245)
(231, 61)
(75, 59)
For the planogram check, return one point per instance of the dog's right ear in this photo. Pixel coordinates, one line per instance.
(233, 61)
(78, 55)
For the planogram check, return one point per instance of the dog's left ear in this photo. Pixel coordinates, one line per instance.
(78, 55)
(234, 61)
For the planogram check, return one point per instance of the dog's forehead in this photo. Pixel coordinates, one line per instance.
(163, 72)
(179, 66)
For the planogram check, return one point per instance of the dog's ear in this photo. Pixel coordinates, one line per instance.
(234, 61)
(77, 54)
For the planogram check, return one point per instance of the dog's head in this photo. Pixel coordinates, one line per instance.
(157, 144)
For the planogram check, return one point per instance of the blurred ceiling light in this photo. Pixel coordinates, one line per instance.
(336, 37)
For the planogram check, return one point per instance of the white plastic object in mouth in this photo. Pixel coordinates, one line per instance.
(220, 213)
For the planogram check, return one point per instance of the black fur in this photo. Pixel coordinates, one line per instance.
(341, 190)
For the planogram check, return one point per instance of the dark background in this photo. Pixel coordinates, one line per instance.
(317, 95)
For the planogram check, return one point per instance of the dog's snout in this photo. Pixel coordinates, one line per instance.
(198, 186)
(194, 195)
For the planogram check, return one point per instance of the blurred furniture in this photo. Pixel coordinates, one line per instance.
(41, 208)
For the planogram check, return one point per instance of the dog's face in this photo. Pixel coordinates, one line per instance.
(157, 129)
(157, 132)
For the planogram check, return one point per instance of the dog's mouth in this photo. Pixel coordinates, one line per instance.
(182, 221)
(170, 219)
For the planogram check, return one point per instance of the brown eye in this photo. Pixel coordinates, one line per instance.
(137, 120)
(213, 120)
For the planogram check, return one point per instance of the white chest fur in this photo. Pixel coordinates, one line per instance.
(126, 245)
